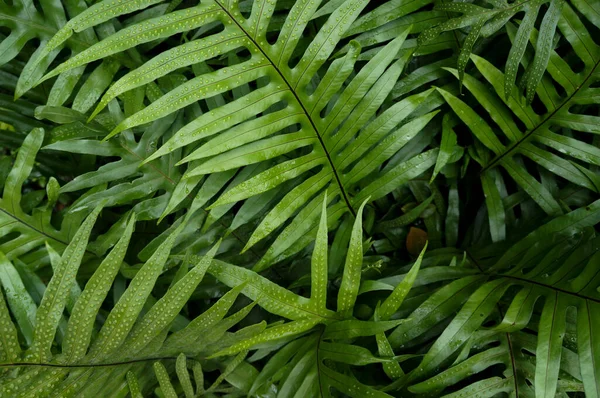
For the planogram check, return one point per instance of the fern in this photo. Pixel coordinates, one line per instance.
(562, 273)
(133, 334)
(310, 362)
(286, 100)
(297, 198)
(27, 22)
(540, 143)
(24, 233)
(484, 21)
(159, 176)
(85, 365)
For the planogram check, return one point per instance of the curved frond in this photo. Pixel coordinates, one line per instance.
(487, 21)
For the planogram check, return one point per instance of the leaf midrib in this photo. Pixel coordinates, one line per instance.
(82, 365)
(322, 394)
(532, 282)
(508, 339)
(23, 222)
(550, 287)
(514, 145)
(304, 110)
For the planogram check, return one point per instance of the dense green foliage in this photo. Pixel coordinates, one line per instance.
(298, 198)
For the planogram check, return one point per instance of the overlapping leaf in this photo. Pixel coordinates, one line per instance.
(92, 353)
(281, 119)
(487, 21)
(25, 233)
(306, 359)
(557, 266)
(556, 140)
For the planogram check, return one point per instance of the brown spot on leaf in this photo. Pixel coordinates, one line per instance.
(415, 241)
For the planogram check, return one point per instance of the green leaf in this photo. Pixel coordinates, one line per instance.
(433, 310)
(447, 146)
(125, 312)
(52, 306)
(519, 46)
(318, 270)
(548, 352)
(231, 366)
(347, 353)
(349, 386)
(472, 315)
(348, 329)
(267, 294)
(394, 300)
(351, 277)
(276, 362)
(184, 376)
(465, 51)
(474, 364)
(165, 382)
(134, 388)
(408, 218)
(587, 323)
(168, 61)
(166, 309)
(274, 333)
(143, 32)
(478, 126)
(10, 349)
(494, 205)
(83, 316)
(544, 48)
(392, 369)
(19, 301)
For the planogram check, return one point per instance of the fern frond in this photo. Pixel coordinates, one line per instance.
(27, 23)
(131, 186)
(136, 134)
(93, 353)
(556, 265)
(568, 156)
(487, 21)
(308, 357)
(319, 152)
(26, 233)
